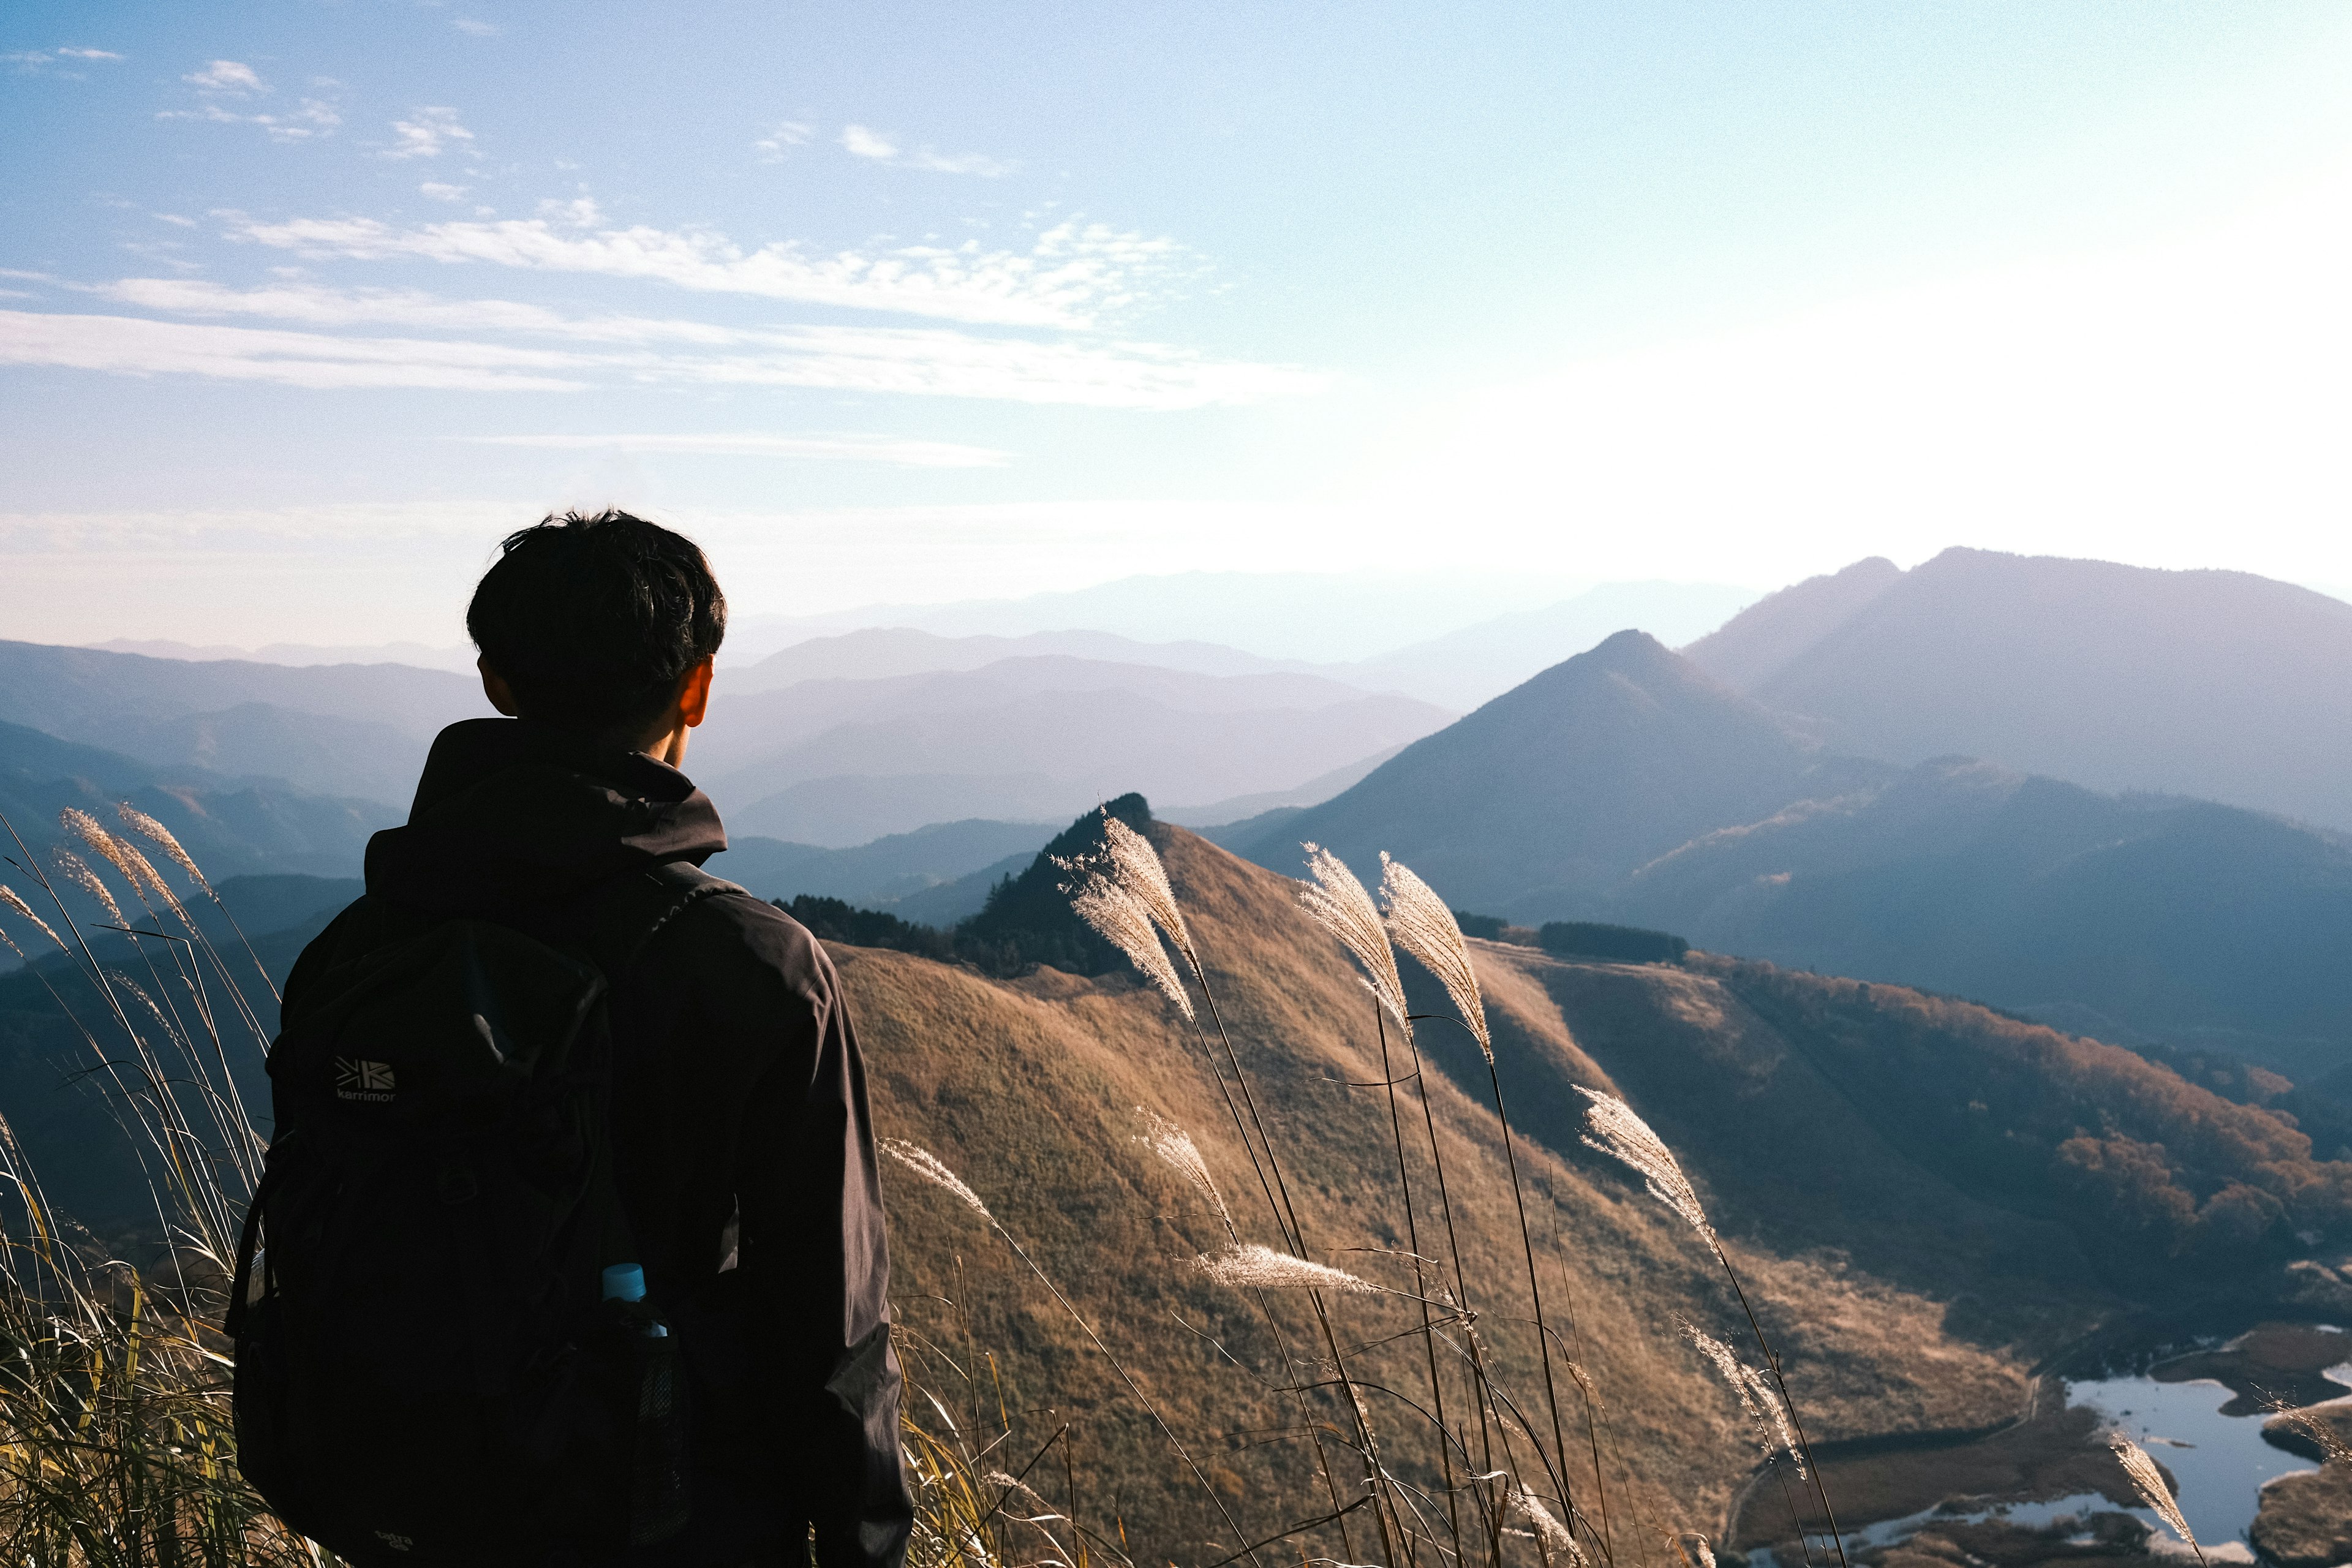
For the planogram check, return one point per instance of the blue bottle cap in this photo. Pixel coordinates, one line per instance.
(625, 1282)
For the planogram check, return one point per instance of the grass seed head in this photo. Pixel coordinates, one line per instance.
(2332, 1449)
(1246, 1266)
(8, 896)
(155, 833)
(1694, 1550)
(1135, 866)
(2150, 1483)
(1555, 1536)
(1758, 1399)
(77, 871)
(1335, 900)
(929, 1166)
(1126, 923)
(1179, 1153)
(1611, 1127)
(1420, 923)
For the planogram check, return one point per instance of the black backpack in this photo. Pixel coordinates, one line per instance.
(428, 1367)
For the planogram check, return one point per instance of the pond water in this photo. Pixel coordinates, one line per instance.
(2220, 1462)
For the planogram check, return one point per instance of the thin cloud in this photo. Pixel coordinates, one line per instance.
(225, 82)
(225, 76)
(130, 346)
(427, 133)
(1073, 275)
(441, 192)
(918, 362)
(862, 142)
(902, 454)
(473, 28)
(778, 145)
(50, 62)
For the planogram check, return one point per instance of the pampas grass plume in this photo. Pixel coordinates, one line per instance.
(2149, 1480)
(79, 873)
(1611, 1127)
(1555, 1536)
(930, 1166)
(1246, 1266)
(1421, 925)
(1335, 900)
(155, 833)
(1179, 1153)
(1135, 866)
(8, 896)
(1757, 1398)
(1125, 922)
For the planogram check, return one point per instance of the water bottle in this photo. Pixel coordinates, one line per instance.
(657, 1493)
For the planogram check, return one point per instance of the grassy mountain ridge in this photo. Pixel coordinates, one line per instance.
(1911, 1265)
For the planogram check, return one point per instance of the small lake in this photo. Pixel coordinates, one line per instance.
(2220, 1461)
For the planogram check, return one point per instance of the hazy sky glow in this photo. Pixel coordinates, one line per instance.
(304, 303)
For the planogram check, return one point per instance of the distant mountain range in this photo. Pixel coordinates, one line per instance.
(2216, 684)
(350, 730)
(1627, 786)
(841, 761)
(233, 827)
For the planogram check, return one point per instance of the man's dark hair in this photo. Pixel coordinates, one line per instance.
(592, 620)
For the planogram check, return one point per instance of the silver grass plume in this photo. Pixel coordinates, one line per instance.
(1554, 1535)
(2149, 1480)
(1696, 1551)
(8, 896)
(1611, 1127)
(118, 853)
(1014, 1484)
(1179, 1153)
(929, 1166)
(1420, 923)
(1125, 922)
(1135, 866)
(2332, 1449)
(1335, 900)
(79, 873)
(1756, 1395)
(155, 833)
(1246, 1266)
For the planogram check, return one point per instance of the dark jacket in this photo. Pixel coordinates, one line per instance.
(742, 1143)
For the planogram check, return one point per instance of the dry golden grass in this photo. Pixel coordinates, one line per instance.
(1028, 1089)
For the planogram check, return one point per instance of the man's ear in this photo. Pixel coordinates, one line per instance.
(495, 687)
(694, 695)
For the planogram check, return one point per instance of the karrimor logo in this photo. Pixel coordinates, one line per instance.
(365, 1081)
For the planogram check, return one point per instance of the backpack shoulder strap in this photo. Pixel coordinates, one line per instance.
(626, 913)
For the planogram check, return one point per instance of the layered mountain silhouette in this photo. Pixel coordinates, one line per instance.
(2216, 684)
(341, 729)
(837, 761)
(233, 827)
(2128, 918)
(1542, 801)
(1627, 786)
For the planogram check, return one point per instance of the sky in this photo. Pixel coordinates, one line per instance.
(303, 305)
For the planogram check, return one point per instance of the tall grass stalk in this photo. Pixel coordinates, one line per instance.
(117, 1440)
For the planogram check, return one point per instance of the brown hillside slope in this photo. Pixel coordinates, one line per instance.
(1029, 1089)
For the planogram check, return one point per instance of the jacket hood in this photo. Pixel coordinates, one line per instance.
(511, 813)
